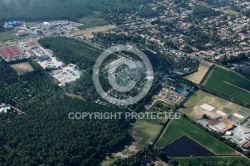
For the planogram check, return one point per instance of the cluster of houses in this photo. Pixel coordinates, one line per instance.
(233, 28)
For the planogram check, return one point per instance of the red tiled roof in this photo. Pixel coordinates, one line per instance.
(10, 51)
(31, 44)
(246, 145)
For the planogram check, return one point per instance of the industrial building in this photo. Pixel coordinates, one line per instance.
(30, 54)
(31, 45)
(11, 53)
(22, 33)
(221, 125)
(11, 24)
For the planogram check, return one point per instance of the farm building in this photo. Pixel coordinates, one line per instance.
(221, 125)
(11, 53)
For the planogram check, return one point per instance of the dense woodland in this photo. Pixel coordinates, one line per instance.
(44, 134)
(36, 10)
(70, 50)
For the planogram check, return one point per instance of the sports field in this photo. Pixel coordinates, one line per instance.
(230, 83)
(22, 68)
(180, 127)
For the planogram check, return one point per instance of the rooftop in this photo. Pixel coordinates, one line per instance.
(10, 51)
(31, 44)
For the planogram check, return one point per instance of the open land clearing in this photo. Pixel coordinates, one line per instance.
(197, 77)
(22, 68)
(193, 107)
(92, 21)
(147, 130)
(229, 83)
(180, 127)
(88, 33)
(144, 132)
(231, 12)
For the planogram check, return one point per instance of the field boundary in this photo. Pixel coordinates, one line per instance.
(236, 86)
(232, 71)
(163, 130)
(208, 74)
(192, 133)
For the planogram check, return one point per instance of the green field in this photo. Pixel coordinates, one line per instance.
(92, 21)
(180, 127)
(230, 83)
(5, 36)
(196, 161)
(147, 130)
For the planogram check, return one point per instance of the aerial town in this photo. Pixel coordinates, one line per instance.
(200, 52)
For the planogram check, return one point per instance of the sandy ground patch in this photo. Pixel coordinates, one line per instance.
(221, 113)
(22, 68)
(238, 115)
(200, 74)
(89, 32)
(207, 107)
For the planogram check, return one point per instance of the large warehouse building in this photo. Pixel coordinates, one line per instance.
(11, 53)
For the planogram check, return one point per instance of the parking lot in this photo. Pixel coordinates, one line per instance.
(66, 74)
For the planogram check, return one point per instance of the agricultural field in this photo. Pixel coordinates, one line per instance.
(180, 127)
(230, 83)
(203, 68)
(196, 161)
(192, 108)
(22, 68)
